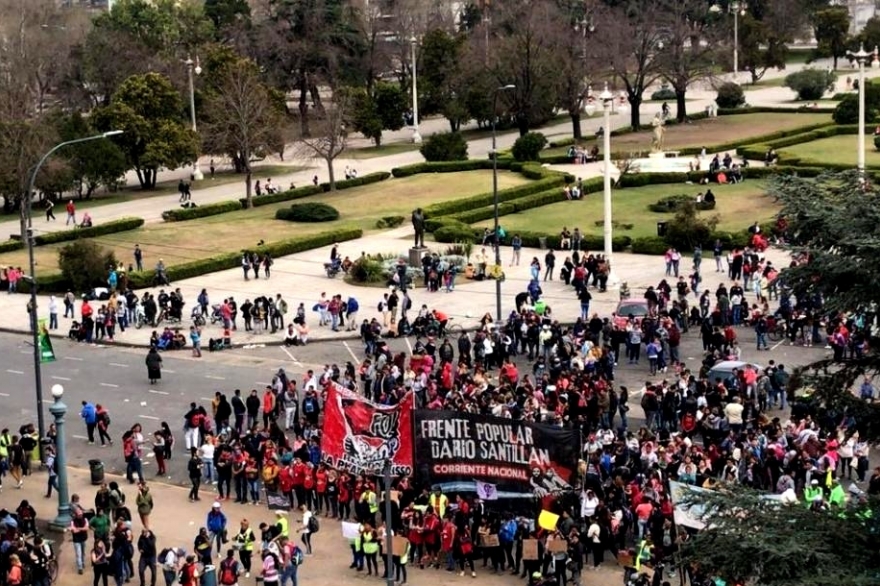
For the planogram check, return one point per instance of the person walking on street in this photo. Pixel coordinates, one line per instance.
(229, 570)
(100, 563)
(216, 523)
(79, 535)
(147, 548)
(144, 503)
(50, 215)
(154, 365)
(194, 468)
(52, 467)
(138, 258)
(90, 417)
(195, 336)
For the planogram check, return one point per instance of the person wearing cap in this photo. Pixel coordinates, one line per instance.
(811, 492)
(216, 523)
(244, 541)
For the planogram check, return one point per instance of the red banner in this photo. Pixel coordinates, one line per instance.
(360, 436)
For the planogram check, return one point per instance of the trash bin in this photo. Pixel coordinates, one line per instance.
(96, 468)
(661, 229)
(209, 576)
(542, 242)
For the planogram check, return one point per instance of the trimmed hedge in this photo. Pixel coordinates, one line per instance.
(772, 110)
(448, 167)
(11, 245)
(231, 260)
(455, 232)
(111, 227)
(484, 199)
(649, 245)
(308, 212)
(308, 190)
(671, 204)
(211, 209)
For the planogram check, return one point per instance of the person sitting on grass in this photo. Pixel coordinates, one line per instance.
(86, 221)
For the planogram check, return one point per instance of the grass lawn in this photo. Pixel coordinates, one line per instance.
(737, 205)
(740, 127)
(393, 148)
(841, 149)
(181, 242)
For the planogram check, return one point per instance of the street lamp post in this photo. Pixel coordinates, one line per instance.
(738, 9)
(494, 153)
(607, 100)
(58, 410)
(31, 278)
(861, 56)
(416, 137)
(194, 67)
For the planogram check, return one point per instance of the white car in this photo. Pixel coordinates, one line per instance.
(725, 368)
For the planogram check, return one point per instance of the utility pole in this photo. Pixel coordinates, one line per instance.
(389, 539)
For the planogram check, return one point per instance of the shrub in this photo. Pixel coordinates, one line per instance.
(847, 111)
(308, 212)
(687, 229)
(673, 203)
(484, 199)
(730, 95)
(390, 221)
(367, 270)
(84, 264)
(810, 84)
(11, 245)
(211, 209)
(111, 227)
(664, 93)
(649, 245)
(457, 232)
(447, 167)
(445, 146)
(528, 146)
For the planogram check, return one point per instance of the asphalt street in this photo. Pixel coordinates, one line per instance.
(116, 377)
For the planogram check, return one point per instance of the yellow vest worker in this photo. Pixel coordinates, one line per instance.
(371, 545)
(369, 497)
(282, 524)
(438, 502)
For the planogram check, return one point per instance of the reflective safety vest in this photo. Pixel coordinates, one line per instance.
(811, 493)
(371, 546)
(439, 504)
(369, 497)
(643, 547)
(283, 527)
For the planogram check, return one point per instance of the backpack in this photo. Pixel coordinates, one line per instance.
(409, 302)
(228, 572)
(55, 465)
(314, 525)
(163, 555)
(508, 532)
(296, 556)
(380, 306)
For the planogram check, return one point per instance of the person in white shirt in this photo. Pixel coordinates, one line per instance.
(305, 531)
(589, 504)
(734, 411)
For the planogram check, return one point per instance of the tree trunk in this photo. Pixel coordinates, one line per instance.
(576, 124)
(140, 177)
(304, 107)
(635, 105)
(247, 187)
(331, 174)
(835, 62)
(316, 99)
(454, 124)
(680, 105)
(522, 124)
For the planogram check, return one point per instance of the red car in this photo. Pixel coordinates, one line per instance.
(638, 308)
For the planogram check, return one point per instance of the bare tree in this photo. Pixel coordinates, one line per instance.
(245, 119)
(632, 37)
(331, 138)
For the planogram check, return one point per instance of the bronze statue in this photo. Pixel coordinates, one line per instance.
(418, 222)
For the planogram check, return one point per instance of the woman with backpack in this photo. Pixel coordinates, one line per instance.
(310, 525)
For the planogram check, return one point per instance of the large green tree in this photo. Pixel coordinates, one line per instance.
(836, 220)
(93, 163)
(384, 109)
(149, 111)
(831, 27)
(750, 539)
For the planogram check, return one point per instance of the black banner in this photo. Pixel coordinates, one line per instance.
(463, 452)
(277, 501)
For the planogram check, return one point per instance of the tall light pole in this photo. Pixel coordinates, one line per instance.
(31, 278)
(416, 137)
(607, 100)
(58, 410)
(861, 56)
(495, 93)
(194, 67)
(738, 9)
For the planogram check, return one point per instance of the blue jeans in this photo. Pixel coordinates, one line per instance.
(762, 340)
(208, 468)
(53, 321)
(254, 486)
(737, 311)
(585, 311)
(289, 573)
(134, 466)
(79, 548)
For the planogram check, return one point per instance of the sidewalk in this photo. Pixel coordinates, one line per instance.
(175, 522)
(300, 278)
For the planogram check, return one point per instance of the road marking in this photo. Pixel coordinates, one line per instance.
(14, 371)
(73, 358)
(408, 345)
(59, 377)
(4, 394)
(111, 385)
(291, 356)
(26, 351)
(169, 371)
(777, 344)
(259, 382)
(150, 417)
(155, 392)
(119, 365)
(206, 398)
(79, 437)
(350, 351)
(212, 377)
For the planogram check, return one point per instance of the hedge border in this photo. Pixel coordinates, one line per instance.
(211, 209)
(111, 227)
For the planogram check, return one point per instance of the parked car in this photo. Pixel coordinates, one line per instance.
(638, 308)
(725, 368)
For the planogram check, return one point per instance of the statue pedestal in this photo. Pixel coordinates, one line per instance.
(657, 155)
(415, 256)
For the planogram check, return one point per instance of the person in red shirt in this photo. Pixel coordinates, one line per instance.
(285, 483)
(309, 487)
(447, 541)
(415, 535)
(299, 475)
(71, 213)
(322, 502)
(344, 498)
